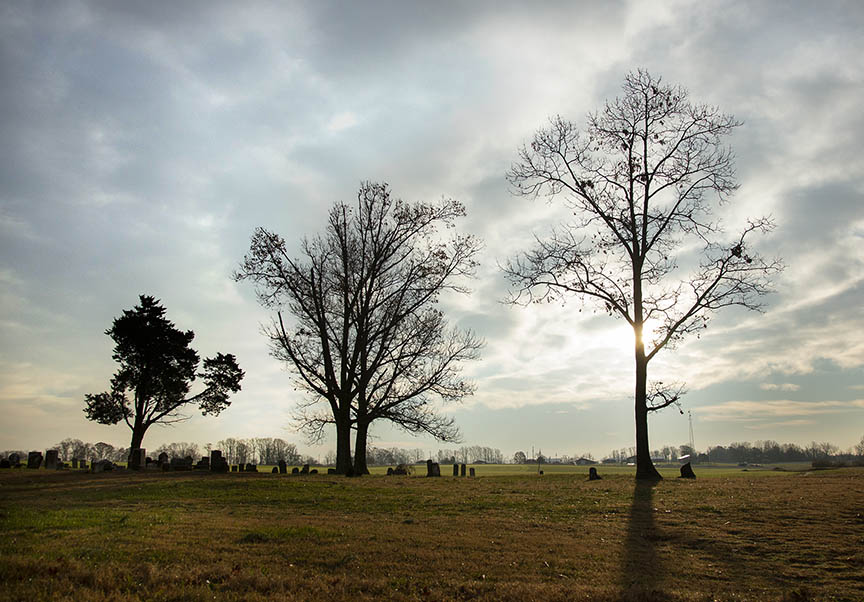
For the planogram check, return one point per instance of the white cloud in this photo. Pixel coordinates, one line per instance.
(757, 410)
(342, 121)
(779, 387)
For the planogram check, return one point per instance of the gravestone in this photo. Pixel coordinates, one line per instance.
(471, 472)
(455, 470)
(592, 474)
(217, 462)
(433, 469)
(4, 463)
(295, 470)
(163, 458)
(275, 470)
(165, 466)
(82, 464)
(462, 469)
(233, 468)
(687, 472)
(389, 471)
(137, 459)
(241, 468)
(34, 459)
(51, 457)
(251, 467)
(74, 462)
(305, 469)
(203, 464)
(14, 459)
(331, 471)
(313, 471)
(102, 466)
(283, 468)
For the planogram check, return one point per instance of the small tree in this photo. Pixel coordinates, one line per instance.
(157, 367)
(640, 181)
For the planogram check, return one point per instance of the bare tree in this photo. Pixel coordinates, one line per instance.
(366, 335)
(642, 181)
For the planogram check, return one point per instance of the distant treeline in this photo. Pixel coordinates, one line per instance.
(760, 452)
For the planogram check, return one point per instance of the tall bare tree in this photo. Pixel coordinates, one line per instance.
(642, 179)
(367, 336)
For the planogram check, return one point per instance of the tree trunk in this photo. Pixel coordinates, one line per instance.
(138, 430)
(644, 466)
(360, 467)
(343, 446)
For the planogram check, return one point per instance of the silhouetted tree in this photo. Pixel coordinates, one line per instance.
(641, 180)
(519, 457)
(367, 337)
(157, 367)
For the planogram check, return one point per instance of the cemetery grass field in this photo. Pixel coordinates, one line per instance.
(729, 535)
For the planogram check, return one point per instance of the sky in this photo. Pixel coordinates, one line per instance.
(142, 143)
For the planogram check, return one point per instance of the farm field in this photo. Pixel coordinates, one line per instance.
(729, 535)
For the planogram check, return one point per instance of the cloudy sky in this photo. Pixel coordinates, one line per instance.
(141, 144)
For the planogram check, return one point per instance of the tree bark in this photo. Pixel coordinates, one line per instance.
(645, 469)
(138, 430)
(343, 445)
(360, 467)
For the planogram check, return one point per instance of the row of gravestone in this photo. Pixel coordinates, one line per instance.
(35, 459)
(433, 469)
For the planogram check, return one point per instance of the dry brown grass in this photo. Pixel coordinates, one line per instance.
(185, 536)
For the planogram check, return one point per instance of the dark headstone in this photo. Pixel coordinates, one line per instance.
(233, 468)
(471, 472)
(305, 469)
(433, 469)
(389, 471)
(295, 470)
(462, 470)
(541, 473)
(592, 474)
(455, 470)
(400, 469)
(14, 459)
(241, 467)
(313, 471)
(74, 462)
(165, 466)
(251, 467)
(275, 470)
(148, 460)
(51, 457)
(217, 462)
(82, 464)
(163, 458)
(34, 459)
(331, 471)
(687, 472)
(4, 463)
(137, 459)
(283, 468)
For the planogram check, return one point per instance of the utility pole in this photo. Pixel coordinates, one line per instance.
(692, 441)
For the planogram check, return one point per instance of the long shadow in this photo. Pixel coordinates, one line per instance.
(641, 570)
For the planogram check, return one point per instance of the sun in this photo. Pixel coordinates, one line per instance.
(620, 335)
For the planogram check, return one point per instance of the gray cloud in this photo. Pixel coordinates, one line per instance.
(140, 146)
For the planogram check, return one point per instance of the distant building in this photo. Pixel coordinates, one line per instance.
(585, 462)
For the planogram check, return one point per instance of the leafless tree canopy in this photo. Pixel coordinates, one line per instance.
(643, 180)
(364, 331)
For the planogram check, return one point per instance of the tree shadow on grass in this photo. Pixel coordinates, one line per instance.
(641, 567)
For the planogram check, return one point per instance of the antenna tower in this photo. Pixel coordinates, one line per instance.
(692, 442)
